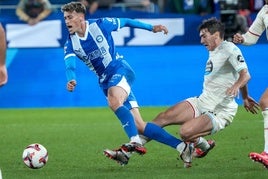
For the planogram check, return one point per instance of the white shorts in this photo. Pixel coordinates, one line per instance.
(220, 116)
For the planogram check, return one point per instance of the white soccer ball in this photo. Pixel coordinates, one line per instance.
(35, 156)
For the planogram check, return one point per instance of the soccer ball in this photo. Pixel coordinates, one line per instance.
(35, 156)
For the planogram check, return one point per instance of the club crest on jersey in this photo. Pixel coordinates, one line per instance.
(209, 67)
(99, 38)
(240, 59)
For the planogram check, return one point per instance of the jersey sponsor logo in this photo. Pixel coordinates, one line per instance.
(209, 67)
(240, 58)
(98, 53)
(79, 53)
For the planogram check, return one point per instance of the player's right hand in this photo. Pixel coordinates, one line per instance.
(160, 28)
(237, 38)
(71, 85)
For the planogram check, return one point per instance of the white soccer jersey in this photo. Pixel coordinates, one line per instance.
(222, 71)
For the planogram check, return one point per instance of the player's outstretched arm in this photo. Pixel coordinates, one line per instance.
(70, 67)
(248, 38)
(126, 22)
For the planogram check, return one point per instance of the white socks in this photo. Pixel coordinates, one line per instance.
(202, 144)
(144, 139)
(136, 139)
(180, 147)
(265, 119)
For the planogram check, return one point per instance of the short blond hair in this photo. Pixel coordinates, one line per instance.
(74, 6)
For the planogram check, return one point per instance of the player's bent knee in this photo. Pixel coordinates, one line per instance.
(185, 133)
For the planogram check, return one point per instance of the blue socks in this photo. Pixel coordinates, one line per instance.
(127, 121)
(157, 133)
(151, 130)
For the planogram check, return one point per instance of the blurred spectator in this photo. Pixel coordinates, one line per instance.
(106, 4)
(244, 11)
(3, 69)
(235, 14)
(206, 7)
(256, 5)
(91, 5)
(141, 5)
(184, 6)
(33, 11)
(201, 7)
(160, 5)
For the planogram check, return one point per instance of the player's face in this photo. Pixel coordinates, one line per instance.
(208, 39)
(73, 21)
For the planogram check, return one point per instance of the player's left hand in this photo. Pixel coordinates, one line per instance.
(251, 105)
(160, 28)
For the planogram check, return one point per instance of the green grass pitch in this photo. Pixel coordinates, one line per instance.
(76, 137)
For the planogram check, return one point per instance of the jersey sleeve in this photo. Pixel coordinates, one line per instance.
(70, 61)
(256, 28)
(70, 67)
(110, 24)
(68, 48)
(258, 25)
(236, 58)
(113, 24)
(126, 22)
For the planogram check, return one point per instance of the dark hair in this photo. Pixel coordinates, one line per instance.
(74, 6)
(213, 25)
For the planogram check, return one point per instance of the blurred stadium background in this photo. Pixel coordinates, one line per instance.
(36, 67)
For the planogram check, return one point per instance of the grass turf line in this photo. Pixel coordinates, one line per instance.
(75, 139)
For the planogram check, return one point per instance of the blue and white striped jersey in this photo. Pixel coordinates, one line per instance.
(96, 49)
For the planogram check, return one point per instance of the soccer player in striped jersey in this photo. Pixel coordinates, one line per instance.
(3, 68)
(249, 38)
(91, 42)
